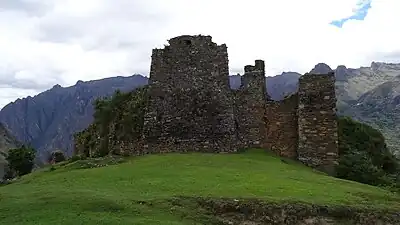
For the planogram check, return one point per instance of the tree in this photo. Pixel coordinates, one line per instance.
(21, 160)
(364, 156)
(56, 157)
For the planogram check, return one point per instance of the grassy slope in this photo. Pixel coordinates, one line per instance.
(109, 195)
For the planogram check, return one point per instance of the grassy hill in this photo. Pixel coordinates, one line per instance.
(139, 190)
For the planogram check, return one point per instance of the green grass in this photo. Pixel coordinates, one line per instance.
(111, 195)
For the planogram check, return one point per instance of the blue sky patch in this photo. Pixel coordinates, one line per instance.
(359, 14)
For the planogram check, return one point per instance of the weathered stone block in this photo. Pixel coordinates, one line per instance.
(318, 144)
(250, 105)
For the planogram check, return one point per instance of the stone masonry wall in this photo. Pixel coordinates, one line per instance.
(318, 137)
(190, 101)
(250, 104)
(281, 123)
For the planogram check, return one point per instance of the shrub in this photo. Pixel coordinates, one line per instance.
(21, 160)
(9, 174)
(75, 158)
(364, 156)
(56, 157)
(358, 166)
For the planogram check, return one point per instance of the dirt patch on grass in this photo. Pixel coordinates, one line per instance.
(256, 212)
(91, 163)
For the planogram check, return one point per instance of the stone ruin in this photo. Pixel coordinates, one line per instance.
(192, 107)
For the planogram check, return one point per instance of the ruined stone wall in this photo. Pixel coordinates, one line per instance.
(281, 123)
(318, 137)
(190, 101)
(250, 104)
(189, 106)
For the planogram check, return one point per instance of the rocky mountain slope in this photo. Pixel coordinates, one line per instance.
(360, 81)
(7, 142)
(380, 107)
(49, 120)
(371, 95)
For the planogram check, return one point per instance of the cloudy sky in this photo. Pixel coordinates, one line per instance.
(48, 42)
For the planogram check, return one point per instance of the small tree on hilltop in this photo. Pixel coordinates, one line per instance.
(56, 157)
(21, 160)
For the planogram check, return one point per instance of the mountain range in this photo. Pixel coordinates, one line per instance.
(372, 95)
(48, 120)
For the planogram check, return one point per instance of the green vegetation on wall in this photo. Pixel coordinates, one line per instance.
(116, 119)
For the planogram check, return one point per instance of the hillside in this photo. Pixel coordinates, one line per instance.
(153, 190)
(357, 82)
(370, 95)
(7, 142)
(380, 107)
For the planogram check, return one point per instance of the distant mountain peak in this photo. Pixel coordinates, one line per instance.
(290, 73)
(376, 65)
(383, 65)
(321, 68)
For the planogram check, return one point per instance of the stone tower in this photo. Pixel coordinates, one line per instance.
(190, 101)
(251, 100)
(317, 122)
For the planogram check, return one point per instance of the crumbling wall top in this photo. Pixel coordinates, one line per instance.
(190, 61)
(310, 77)
(185, 41)
(313, 83)
(259, 66)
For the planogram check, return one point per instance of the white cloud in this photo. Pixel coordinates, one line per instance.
(62, 41)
